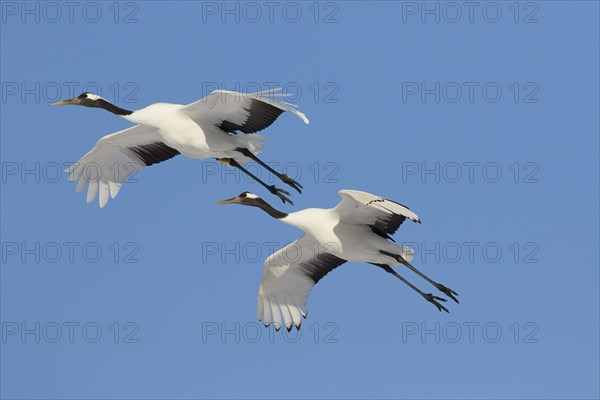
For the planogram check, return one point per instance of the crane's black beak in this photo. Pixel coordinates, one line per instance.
(65, 102)
(233, 200)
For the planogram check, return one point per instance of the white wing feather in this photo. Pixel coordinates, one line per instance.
(110, 162)
(227, 105)
(366, 208)
(288, 277)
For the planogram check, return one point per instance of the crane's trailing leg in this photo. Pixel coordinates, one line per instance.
(284, 178)
(447, 291)
(271, 188)
(427, 296)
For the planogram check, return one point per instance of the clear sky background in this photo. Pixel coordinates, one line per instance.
(483, 120)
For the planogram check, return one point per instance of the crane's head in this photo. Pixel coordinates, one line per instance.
(86, 99)
(250, 199)
(245, 199)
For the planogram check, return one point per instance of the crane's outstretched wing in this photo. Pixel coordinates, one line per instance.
(115, 158)
(288, 277)
(243, 112)
(382, 215)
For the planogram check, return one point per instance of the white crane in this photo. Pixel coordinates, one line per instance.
(204, 129)
(356, 230)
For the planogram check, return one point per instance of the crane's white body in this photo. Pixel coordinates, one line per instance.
(179, 131)
(345, 239)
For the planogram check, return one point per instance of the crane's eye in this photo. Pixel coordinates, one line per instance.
(243, 195)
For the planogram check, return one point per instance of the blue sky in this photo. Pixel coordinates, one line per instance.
(483, 119)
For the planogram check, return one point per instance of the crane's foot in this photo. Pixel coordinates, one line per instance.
(432, 299)
(447, 291)
(280, 193)
(289, 181)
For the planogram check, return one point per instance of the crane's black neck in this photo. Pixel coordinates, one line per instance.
(266, 207)
(112, 108)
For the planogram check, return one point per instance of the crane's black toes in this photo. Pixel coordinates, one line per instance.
(276, 191)
(432, 299)
(447, 291)
(289, 181)
(281, 194)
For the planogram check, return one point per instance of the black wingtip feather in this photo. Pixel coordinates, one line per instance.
(154, 153)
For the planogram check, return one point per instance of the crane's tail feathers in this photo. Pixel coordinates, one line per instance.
(407, 253)
(252, 142)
